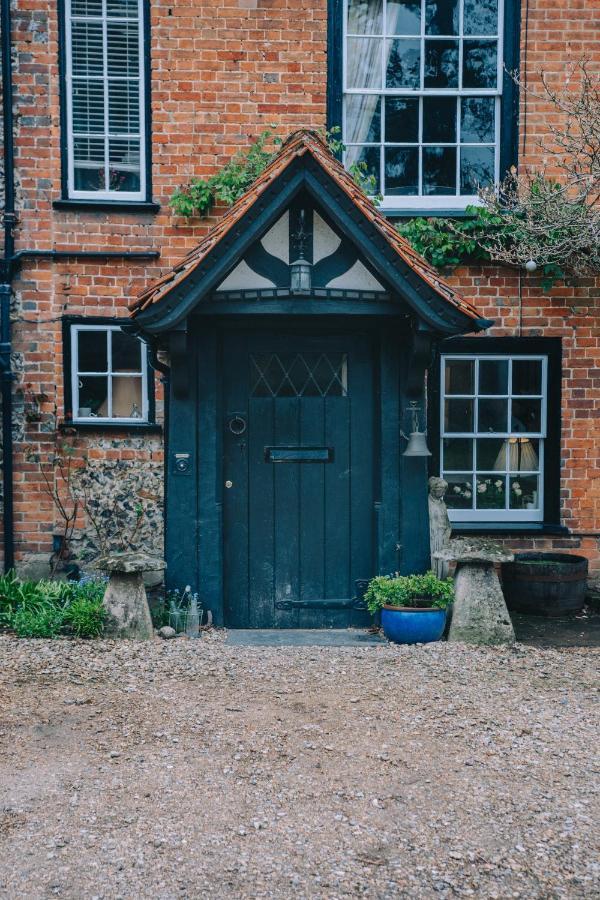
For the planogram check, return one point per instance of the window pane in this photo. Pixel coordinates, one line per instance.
(493, 415)
(458, 415)
(480, 64)
(123, 107)
(490, 492)
(441, 64)
(363, 119)
(480, 17)
(403, 64)
(369, 155)
(126, 352)
(527, 376)
(519, 455)
(439, 120)
(88, 107)
(458, 454)
(493, 376)
(441, 16)
(401, 120)
(87, 56)
(92, 353)
(365, 16)
(124, 165)
(476, 168)
(490, 454)
(459, 376)
(86, 7)
(364, 62)
(122, 53)
(526, 415)
(401, 170)
(125, 9)
(88, 179)
(439, 170)
(404, 17)
(93, 394)
(126, 397)
(524, 492)
(478, 120)
(460, 492)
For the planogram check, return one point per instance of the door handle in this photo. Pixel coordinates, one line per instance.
(228, 484)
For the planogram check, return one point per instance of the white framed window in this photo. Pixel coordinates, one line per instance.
(422, 84)
(492, 438)
(109, 376)
(105, 99)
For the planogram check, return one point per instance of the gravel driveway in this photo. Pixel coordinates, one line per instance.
(197, 769)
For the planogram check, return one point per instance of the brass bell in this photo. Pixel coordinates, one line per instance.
(417, 445)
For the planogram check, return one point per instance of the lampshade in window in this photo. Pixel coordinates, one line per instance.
(521, 457)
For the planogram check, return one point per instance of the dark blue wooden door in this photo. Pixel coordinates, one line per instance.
(298, 471)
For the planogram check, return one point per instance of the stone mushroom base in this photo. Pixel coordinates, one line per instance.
(127, 610)
(125, 600)
(480, 614)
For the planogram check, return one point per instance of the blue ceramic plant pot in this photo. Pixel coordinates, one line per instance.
(404, 625)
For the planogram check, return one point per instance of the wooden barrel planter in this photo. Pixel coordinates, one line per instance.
(545, 584)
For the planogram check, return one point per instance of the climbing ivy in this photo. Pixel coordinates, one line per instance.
(233, 180)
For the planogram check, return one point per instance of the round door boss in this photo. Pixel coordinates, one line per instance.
(237, 425)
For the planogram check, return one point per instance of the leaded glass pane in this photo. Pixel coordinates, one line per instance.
(299, 375)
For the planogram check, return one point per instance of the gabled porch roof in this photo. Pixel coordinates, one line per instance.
(305, 163)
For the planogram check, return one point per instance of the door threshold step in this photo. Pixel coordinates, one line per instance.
(302, 637)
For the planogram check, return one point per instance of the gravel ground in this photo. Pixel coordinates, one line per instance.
(194, 769)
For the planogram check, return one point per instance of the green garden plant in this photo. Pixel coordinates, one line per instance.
(409, 591)
(45, 609)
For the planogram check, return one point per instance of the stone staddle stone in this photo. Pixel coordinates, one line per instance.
(125, 600)
(480, 615)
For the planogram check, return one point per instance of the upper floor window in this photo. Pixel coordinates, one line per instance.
(422, 89)
(104, 71)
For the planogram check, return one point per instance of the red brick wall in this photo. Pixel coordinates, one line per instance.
(223, 70)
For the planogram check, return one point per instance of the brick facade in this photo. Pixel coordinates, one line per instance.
(223, 70)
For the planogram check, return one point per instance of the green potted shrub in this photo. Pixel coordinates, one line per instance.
(413, 607)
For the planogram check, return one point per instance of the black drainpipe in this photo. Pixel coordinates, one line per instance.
(8, 222)
(7, 269)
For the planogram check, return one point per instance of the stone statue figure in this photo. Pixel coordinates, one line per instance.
(440, 528)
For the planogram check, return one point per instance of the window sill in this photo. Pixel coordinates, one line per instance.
(425, 213)
(103, 427)
(131, 206)
(516, 528)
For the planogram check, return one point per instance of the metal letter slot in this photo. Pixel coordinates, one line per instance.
(298, 454)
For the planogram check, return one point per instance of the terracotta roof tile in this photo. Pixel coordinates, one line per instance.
(299, 143)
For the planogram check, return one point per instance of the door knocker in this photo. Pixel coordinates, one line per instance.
(237, 425)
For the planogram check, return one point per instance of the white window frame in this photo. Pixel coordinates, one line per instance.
(106, 134)
(76, 374)
(491, 516)
(423, 202)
